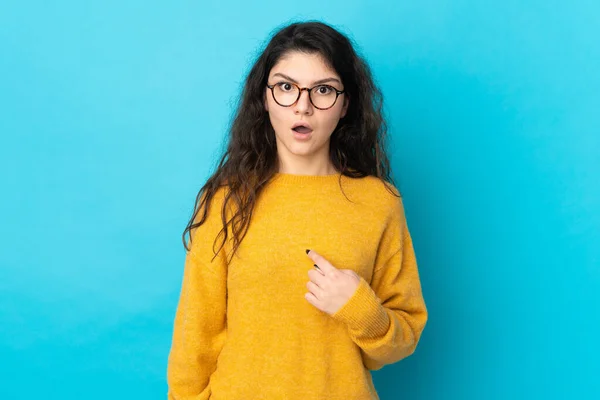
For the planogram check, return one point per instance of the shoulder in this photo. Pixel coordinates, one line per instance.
(211, 203)
(377, 192)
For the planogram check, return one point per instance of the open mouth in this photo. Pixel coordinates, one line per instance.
(302, 129)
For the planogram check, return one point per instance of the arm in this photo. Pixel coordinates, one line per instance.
(199, 331)
(386, 318)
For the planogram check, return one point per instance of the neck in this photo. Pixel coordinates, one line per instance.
(316, 170)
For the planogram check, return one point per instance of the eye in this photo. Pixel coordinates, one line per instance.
(324, 89)
(285, 86)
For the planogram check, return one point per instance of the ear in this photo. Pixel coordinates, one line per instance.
(345, 107)
(266, 103)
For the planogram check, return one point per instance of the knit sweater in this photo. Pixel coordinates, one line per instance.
(244, 330)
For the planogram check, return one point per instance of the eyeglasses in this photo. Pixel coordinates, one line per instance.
(286, 94)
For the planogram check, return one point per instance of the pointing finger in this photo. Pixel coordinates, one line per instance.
(324, 265)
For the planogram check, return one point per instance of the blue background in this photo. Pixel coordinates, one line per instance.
(112, 115)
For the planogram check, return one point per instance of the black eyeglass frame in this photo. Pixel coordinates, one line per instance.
(309, 90)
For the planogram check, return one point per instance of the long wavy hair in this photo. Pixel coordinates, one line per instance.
(357, 145)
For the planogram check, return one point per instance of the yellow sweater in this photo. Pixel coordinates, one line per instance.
(245, 331)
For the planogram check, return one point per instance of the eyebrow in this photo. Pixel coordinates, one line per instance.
(314, 83)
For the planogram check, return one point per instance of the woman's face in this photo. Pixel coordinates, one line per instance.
(305, 70)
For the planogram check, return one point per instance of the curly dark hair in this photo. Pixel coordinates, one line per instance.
(357, 145)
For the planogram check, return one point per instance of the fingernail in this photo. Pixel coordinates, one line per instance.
(307, 250)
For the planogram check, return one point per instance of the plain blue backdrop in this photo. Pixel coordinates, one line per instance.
(112, 115)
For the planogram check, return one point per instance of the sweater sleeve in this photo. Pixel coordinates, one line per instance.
(200, 329)
(386, 317)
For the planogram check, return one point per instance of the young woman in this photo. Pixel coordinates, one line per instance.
(324, 286)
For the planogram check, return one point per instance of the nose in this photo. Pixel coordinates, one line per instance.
(303, 105)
